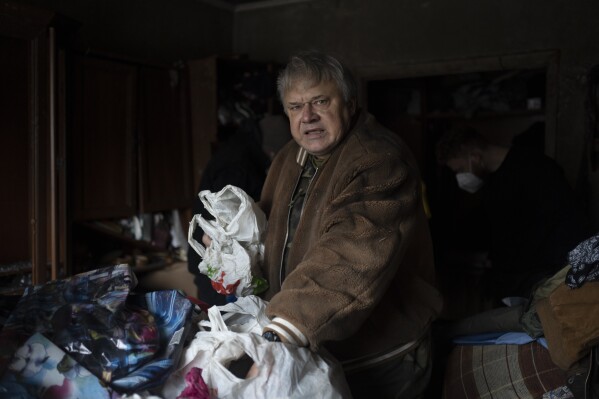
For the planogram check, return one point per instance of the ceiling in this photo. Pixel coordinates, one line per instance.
(239, 2)
(244, 5)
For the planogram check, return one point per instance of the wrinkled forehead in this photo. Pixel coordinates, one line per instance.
(313, 86)
(307, 80)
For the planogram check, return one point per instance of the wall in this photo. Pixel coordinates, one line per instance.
(367, 34)
(156, 30)
(378, 32)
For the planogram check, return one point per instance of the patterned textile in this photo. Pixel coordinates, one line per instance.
(501, 371)
(35, 311)
(109, 344)
(172, 312)
(130, 342)
(559, 393)
(40, 369)
(585, 263)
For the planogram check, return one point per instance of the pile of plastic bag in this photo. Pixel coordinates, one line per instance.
(280, 370)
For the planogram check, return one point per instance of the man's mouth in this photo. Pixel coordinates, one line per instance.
(314, 132)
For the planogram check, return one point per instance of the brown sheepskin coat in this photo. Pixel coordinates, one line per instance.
(360, 274)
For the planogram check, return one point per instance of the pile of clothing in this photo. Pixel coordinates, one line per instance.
(91, 336)
(546, 347)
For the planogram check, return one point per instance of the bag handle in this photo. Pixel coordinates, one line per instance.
(199, 248)
(216, 320)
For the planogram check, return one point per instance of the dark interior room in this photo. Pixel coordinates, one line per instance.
(114, 113)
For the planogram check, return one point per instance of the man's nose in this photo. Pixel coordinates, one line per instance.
(308, 114)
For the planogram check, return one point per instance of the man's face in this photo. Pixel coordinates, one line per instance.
(467, 163)
(318, 116)
(458, 165)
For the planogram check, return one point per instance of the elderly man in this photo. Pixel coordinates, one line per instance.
(348, 252)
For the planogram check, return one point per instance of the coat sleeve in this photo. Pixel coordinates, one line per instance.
(363, 231)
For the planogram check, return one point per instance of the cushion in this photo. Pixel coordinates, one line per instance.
(496, 371)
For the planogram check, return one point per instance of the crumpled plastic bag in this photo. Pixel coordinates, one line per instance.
(232, 259)
(245, 315)
(282, 370)
(40, 369)
(107, 288)
(109, 344)
(129, 342)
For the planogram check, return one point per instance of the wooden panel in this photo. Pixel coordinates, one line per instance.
(165, 178)
(14, 150)
(203, 112)
(63, 227)
(28, 138)
(42, 205)
(103, 142)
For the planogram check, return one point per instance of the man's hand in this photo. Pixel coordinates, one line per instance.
(206, 240)
(253, 372)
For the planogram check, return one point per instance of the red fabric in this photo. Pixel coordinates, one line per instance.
(195, 388)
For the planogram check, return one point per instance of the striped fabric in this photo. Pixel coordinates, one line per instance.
(501, 371)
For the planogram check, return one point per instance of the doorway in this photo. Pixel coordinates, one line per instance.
(507, 99)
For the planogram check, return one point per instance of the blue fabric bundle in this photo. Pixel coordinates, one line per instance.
(130, 342)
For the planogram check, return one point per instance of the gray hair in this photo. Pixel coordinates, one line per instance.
(317, 67)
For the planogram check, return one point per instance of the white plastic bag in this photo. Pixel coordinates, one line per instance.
(246, 315)
(232, 259)
(284, 370)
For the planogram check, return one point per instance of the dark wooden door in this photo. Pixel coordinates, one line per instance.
(14, 150)
(165, 166)
(104, 131)
(29, 197)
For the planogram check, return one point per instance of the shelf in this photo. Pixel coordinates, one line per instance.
(483, 114)
(12, 290)
(150, 267)
(111, 233)
(15, 271)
